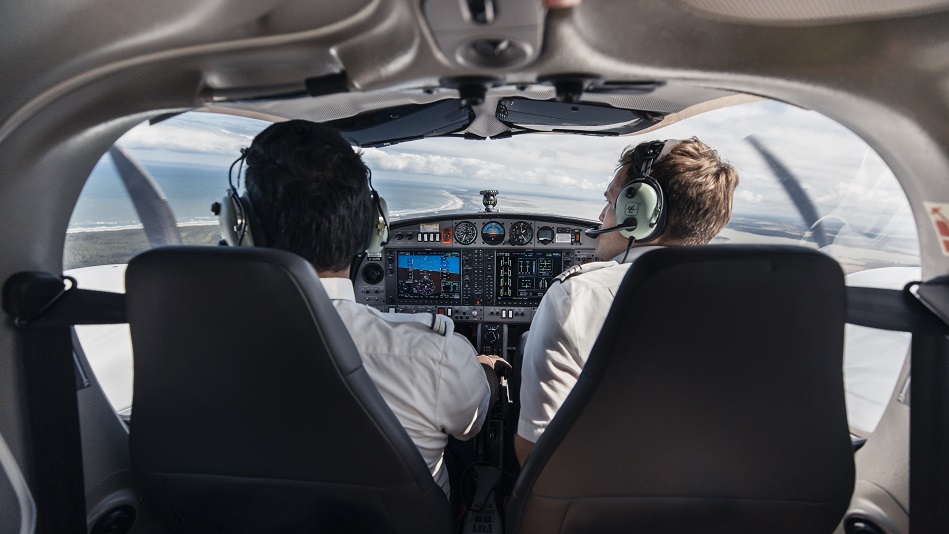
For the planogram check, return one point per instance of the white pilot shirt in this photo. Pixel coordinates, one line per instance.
(562, 334)
(428, 375)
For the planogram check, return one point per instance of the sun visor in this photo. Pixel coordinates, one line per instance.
(549, 116)
(404, 123)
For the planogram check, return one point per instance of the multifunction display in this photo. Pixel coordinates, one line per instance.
(429, 275)
(523, 276)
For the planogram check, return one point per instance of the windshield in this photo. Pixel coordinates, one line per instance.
(804, 180)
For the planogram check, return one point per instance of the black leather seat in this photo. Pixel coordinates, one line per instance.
(712, 401)
(252, 411)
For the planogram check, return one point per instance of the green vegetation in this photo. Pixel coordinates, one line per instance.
(106, 247)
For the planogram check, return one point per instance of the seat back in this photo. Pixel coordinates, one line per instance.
(712, 401)
(252, 410)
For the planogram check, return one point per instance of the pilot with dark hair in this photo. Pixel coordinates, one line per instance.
(311, 194)
(697, 188)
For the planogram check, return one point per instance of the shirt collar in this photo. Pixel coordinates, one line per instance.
(634, 253)
(339, 288)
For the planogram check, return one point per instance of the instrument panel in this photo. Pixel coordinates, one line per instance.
(478, 268)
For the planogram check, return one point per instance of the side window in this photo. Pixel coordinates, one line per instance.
(808, 181)
(103, 235)
(154, 187)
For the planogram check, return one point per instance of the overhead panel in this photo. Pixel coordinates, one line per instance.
(487, 34)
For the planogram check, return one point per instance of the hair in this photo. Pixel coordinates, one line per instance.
(310, 191)
(698, 188)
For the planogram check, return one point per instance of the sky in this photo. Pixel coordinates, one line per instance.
(845, 179)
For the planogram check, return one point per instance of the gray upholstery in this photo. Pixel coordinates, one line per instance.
(252, 411)
(712, 401)
(17, 508)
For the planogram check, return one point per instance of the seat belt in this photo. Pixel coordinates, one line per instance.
(891, 309)
(929, 404)
(43, 308)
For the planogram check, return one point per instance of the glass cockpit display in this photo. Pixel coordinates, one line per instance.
(523, 276)
(429, 275)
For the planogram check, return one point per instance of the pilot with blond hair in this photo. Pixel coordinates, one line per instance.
(697, 188)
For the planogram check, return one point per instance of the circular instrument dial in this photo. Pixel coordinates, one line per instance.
(521, 233)
(465, 233)
(492, 232)
(425, 286)
(545, 235)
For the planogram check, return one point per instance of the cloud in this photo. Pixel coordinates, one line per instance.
(748, 197)
(414, 163)
(196, 133)
(501, 165)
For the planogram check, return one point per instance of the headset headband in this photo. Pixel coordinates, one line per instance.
(646, 155)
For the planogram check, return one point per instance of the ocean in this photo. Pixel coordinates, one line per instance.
(190, 191)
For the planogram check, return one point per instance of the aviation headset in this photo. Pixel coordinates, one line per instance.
(241, 227)
(640, 207)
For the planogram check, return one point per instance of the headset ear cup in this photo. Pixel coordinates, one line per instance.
(645, 205)
(236, 220)
(229, 218)
(379, 233)
(642, 199)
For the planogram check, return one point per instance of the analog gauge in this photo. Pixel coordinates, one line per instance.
(492, 233)
(465, 233)
(545, 235)
(521, 233)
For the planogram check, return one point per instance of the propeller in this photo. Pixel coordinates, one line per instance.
(150, 203)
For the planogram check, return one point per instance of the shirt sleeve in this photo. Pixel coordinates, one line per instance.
(551, 363)
(464, 395)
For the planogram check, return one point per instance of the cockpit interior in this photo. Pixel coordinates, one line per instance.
(789, 376)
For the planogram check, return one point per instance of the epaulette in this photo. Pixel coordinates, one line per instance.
(584, 268)
(568, 273)
(440, 324)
